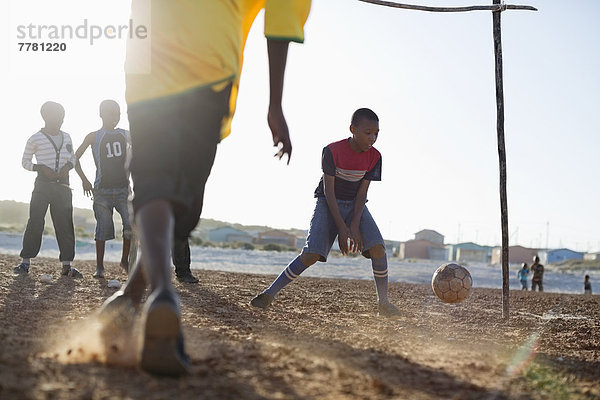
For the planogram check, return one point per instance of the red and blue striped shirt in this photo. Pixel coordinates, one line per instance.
(349, 168)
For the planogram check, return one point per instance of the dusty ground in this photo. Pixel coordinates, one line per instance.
(320, 340)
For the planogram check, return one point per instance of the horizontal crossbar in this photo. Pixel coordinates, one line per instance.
(494, 7)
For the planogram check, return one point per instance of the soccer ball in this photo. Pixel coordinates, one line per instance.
(451, 283)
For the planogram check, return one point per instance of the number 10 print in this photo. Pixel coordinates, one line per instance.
(113, 150)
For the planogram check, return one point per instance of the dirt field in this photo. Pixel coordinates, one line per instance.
(321, 339)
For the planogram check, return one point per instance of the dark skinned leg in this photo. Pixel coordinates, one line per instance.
(309, 259)
(125, 254)
(162, 349)
(155, 223)
(377, 251)
(100, 247)
(130, 296)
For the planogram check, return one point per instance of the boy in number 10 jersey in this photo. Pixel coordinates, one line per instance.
(110, 146)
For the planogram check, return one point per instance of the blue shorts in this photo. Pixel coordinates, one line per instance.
(105, 200)
(323, 231)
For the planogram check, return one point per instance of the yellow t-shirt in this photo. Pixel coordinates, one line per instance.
(199, 43)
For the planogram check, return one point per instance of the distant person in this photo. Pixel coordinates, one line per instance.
(522, 274)
(349, 166)
(538, 275)
(587, 285)
(178, 114)
(53, 151)
(110, 146)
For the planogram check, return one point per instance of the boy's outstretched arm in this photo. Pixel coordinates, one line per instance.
(87, 186)
(359, 206)
(277, 50)
(343, 231)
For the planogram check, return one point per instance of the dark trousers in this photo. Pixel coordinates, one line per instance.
(181, 254)
(538, 283)
(174, 142)
(59, 198)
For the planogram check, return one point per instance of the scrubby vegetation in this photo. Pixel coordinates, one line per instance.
(14, 215)
(577, 265)
(277, 247)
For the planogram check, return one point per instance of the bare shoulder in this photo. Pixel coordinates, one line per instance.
(89, 138)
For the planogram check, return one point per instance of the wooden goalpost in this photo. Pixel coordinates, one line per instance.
(496, 8)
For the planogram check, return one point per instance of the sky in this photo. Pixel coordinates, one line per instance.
(429, 77)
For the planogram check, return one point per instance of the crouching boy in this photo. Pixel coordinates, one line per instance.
(349, 166)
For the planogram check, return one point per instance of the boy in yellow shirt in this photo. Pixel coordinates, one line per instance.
(178, 113)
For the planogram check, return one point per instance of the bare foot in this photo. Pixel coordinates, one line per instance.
(99, 273)
(125, 265)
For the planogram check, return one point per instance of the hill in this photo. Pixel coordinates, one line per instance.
(14, 215)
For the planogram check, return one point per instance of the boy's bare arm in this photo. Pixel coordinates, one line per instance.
(277, 50)
(343, 231)
(359, 206)
(87, 186)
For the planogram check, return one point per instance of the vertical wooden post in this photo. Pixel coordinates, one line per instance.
(501, 157)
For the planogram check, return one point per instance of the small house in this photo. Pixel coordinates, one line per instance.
(277, 237)
(468, 251)
(229, 234)
(557, 255)
(516, 255)
(592, 256)
(431, 235)
(421, 248)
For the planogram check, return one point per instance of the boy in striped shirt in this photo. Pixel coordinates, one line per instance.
(53, 151)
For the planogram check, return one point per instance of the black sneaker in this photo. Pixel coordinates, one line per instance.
(388, 310)
(187, 278)
(67, 270)
(263, 300)
(21, 269)
(163, 348)
(184, 275)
